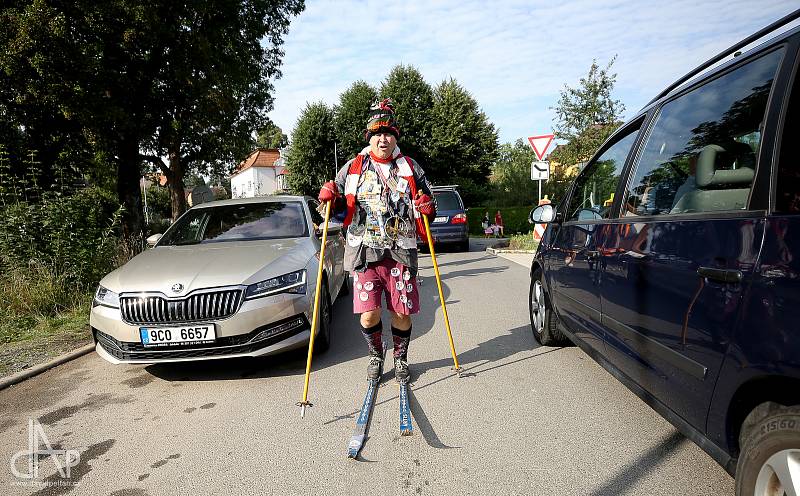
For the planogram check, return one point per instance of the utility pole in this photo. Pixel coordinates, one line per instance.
(335, 160)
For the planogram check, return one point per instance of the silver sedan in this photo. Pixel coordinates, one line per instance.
(229, 278)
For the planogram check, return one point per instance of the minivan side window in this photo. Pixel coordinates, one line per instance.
(594, 189)
(700, 155)
(787, 183)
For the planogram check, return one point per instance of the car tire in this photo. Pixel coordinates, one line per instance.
(464, 245)
(323, 340)
(544, 323)
(770, 444)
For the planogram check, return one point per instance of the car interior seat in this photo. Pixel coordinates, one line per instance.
(723, 180)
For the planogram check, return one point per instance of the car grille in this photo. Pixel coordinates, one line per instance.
(154, 309)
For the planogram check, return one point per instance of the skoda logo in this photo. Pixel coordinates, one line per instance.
(177, 288)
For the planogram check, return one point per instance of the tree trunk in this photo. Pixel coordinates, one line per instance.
(176, 188)
(128, 192)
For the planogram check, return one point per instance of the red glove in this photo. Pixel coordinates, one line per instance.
(328, 192)
(424, 204)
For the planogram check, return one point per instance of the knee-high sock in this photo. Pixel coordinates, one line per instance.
(374, 338)
(401, 340)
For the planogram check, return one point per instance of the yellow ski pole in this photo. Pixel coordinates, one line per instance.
(457, 368)
(315, 317)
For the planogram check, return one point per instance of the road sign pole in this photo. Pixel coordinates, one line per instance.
(540, 190)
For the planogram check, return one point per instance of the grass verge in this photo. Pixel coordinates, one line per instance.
(27, 340)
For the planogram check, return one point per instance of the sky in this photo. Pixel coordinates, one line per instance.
(514, 57)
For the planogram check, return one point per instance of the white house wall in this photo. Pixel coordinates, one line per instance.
(254, 181)
(265, 179)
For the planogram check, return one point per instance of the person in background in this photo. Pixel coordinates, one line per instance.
(498, 221)
(485, 225)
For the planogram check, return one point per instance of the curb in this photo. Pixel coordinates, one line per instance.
(38, 369)
(497, 251)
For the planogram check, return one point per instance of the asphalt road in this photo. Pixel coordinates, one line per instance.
(527, 419)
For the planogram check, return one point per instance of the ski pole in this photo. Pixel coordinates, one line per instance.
(457, 368)
(315, 316)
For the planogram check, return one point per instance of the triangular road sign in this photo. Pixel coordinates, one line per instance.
(540, 144)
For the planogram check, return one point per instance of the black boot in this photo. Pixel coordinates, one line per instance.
(374, 338)
(401, 339)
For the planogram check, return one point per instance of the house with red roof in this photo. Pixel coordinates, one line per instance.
(261, 173)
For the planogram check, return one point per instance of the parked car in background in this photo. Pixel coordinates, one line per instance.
(674, 260)
(229, 278)
(450, 225)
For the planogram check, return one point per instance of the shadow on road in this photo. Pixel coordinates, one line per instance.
(628, 475)
(473, 362)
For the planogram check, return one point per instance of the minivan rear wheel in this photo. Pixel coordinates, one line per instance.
(544, 323)
(769, 462)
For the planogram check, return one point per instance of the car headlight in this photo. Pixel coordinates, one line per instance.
(293, 282)
(105, 297)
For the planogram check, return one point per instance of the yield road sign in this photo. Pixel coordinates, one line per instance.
(540, 171)
(540, 144)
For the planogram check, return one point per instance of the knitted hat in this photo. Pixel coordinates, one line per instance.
(381, 119)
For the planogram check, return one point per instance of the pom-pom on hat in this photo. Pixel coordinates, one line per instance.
(381, 118)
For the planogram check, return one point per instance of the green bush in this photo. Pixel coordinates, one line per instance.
(523, 242)
(52, 254)
(74, 236)
(514, 218)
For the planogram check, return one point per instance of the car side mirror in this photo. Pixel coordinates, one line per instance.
(543, 214)
(152, 240)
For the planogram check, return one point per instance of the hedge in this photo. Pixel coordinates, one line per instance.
(514, 218)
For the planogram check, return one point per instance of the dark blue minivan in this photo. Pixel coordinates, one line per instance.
(686, 286)
(450, 225)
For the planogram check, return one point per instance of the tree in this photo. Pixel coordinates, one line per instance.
(511, 175)
(271, 136)
(463, 143)
(85, 69)
(587, 115)
(413, 98)
(183, 80)
(310, 161)
(217, 80)
(350, 118)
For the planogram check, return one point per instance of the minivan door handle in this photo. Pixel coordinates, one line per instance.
(728, 276)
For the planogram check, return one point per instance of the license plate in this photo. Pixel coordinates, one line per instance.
(171, 336)
(439, 220)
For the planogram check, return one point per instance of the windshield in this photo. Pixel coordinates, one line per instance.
(246, 222)
(447, 200)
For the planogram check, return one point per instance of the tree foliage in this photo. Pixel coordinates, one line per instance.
(186, 80)
(586, 115)
(350, 118)
(511, 175)
(271, 136)
(310, 161)
(443, 129)
(463, 143)
(413, 98)
(217, 76)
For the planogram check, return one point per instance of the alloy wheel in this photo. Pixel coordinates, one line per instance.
(538, 309)
(780, 474)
